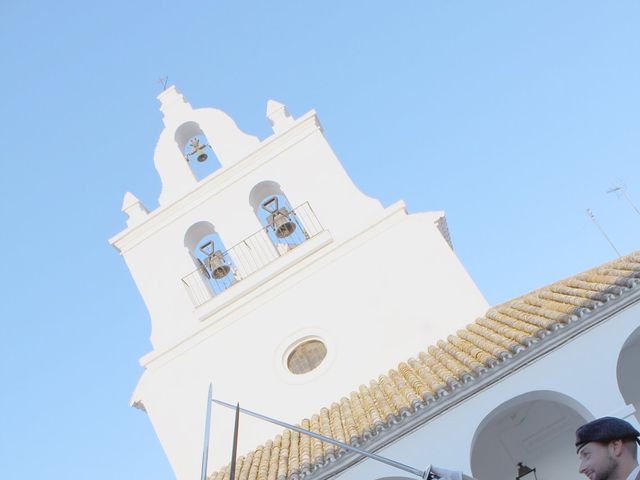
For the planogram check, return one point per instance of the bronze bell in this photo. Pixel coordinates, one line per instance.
(217, 265)
(198, 150)
(215, 261)
(279, 219)
(282, 224)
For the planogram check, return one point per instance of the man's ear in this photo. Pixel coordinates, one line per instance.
(616, 447)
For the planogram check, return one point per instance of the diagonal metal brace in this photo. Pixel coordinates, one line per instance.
(424, 474)
(207, 430)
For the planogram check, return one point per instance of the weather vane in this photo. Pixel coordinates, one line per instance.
(163, 81)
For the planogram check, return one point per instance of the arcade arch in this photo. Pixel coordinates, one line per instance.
(537, 429)
(627, 371)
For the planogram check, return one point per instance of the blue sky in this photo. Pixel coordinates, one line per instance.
(513, 117)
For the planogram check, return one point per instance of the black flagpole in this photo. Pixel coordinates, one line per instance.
(234, 450)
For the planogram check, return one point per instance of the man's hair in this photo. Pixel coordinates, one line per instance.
(632, 446)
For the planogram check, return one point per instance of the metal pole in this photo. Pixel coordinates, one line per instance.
(207, 430)
(420, 473)
(595, 222)
(621, 189)
(234, 449)
(626, 195)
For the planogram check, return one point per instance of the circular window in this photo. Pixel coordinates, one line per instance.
(306, 356)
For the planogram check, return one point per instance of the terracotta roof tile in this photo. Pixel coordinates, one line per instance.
(413, 380)
(504, 331)
(434, 383)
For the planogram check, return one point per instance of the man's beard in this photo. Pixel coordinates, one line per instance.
(605, 472)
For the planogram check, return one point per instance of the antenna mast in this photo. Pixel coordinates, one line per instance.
(595, 222)
(620, 189)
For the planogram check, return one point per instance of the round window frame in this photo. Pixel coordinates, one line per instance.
(298, 345)
(287, 346)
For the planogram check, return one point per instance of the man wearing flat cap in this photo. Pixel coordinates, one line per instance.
(608, 450)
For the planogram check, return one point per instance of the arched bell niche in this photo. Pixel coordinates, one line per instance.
(210, 256)
(536, 429)
(196, 150)
(627, 371)
(276, 215)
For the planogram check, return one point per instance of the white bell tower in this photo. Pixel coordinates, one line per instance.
(274, 278)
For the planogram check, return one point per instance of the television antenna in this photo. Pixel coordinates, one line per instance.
(621, 191)
(592, 216)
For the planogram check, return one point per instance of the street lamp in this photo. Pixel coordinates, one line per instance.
(524, 472)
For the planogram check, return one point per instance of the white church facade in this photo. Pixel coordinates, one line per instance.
(276, 280)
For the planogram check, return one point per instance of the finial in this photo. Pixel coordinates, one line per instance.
(136, 212)
(173, 105)
(278, 116)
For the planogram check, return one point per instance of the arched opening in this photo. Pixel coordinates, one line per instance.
(536, 429)
(196, 150)
(195, 235)
(627, 371)
(280, 221)
(261, 191)
(215, 269)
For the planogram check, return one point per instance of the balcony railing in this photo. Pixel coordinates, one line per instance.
(249, 256)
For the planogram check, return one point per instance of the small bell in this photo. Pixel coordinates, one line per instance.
(217, 265)
(215, 261)
(282, 224)
(279, 218)
(197, 150)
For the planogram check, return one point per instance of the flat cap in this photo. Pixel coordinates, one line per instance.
(605, 429)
